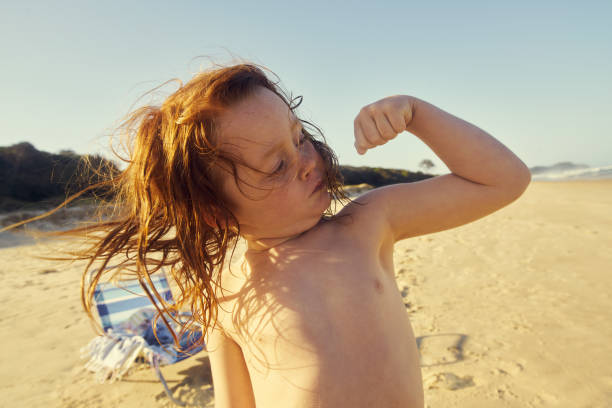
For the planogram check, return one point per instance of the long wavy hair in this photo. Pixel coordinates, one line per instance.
(166, 208)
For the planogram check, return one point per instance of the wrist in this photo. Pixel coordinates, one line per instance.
(411, 112)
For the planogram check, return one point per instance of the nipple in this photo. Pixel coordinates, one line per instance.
(378, 285)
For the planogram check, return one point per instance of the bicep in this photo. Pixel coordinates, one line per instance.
(436, 204)
(231, 381)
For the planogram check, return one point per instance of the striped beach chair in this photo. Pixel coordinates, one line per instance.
(126, 314)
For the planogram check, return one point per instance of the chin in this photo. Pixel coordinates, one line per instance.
(328, 202)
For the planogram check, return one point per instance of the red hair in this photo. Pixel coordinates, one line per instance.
(167, 209)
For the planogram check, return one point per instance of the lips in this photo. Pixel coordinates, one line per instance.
(318, 186)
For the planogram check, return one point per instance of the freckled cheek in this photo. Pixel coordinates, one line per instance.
(285, 200)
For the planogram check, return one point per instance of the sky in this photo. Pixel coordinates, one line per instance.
(536, 75)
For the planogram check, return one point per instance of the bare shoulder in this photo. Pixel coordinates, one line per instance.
(362, 215)
(405, 210)
(364, 221)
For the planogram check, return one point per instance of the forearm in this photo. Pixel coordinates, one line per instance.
(467, 150)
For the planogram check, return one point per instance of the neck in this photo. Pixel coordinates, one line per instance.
(261, 244)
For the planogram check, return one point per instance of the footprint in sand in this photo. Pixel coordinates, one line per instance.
(448, 381)
(505, 393)
(510, 367)
(410, 308)
(415, 280)
(408, 257)
(405, 277)
(400, 273)
(441, 349)
(544, 399)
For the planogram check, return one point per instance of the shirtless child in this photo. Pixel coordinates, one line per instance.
(313, 318)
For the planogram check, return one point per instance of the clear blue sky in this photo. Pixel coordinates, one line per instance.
(534, 74)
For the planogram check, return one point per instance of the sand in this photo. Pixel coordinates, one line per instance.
(512, 310)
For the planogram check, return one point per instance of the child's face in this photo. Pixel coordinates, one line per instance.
(264, 133)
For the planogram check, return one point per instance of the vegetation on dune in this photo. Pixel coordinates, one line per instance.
(378, 176)
(31, 179)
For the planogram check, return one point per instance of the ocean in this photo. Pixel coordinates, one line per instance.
(587, 173)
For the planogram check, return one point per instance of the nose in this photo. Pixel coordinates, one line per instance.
(308, 158)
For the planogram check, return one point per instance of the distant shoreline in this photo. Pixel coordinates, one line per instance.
(37, 208)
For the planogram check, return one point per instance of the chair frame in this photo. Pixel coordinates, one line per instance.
(106, 310)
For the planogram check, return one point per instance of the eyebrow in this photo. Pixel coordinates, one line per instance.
(295, 122)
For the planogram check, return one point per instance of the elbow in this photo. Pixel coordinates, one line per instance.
(519, 185)
(514, 187)
(525, 180)
(519, 181)
(525, 175)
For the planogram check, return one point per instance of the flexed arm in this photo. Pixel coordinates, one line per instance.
(486, 175)
(468, 151)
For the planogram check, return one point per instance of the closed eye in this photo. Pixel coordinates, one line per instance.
(280, 167)
(282, 163)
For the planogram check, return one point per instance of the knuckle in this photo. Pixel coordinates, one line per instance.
(388, 135)
(386, 104)
(398, 127)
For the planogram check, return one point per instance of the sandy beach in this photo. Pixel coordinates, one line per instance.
(512, 310)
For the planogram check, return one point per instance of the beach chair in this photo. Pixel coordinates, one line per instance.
(126, 315)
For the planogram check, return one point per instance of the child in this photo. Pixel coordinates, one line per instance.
(313, 317)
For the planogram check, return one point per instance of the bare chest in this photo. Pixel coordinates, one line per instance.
(317, 321)
(315, 300)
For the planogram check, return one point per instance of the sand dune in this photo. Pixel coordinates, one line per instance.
(513, 310)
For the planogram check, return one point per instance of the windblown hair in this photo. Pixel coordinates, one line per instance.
(167, 210)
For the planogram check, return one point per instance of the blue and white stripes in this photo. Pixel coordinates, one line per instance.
(116, 304)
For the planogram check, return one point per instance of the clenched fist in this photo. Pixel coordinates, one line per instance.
(381, 121)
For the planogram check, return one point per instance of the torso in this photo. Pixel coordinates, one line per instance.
(323, 324)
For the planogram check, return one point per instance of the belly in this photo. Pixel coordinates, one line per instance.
(329, 340)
